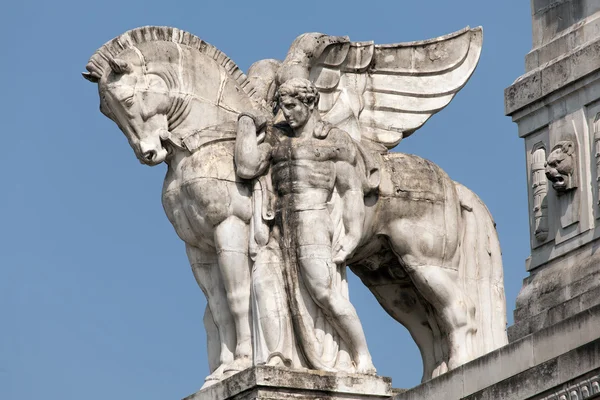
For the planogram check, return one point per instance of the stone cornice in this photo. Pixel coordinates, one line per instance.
(552, 76)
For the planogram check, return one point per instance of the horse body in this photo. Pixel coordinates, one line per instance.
(204, 201)
(409, 258)
(431, 257)
(201, 191)
(177, 98)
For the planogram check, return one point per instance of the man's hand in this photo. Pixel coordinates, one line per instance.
(343, 248)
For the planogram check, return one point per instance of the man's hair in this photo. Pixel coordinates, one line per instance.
(301, 89)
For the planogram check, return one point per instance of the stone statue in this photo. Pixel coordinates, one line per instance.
(309, 159)
(273, 205)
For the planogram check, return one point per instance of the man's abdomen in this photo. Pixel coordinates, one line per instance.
(297, 176)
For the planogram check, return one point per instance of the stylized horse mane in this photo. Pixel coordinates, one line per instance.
(100, 60)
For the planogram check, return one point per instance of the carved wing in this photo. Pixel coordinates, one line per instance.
(383, 93)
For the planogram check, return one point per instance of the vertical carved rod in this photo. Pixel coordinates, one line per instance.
(540, 190)
(596, 129)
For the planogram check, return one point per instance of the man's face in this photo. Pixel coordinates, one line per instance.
(296, 113)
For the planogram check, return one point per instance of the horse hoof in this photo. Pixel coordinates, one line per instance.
(439, 370)
(208, 382)
(237, 366)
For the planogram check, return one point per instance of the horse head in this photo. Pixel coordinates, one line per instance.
(161, 85)
(138, 103)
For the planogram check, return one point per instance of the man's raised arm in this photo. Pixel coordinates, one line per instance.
(251, 159)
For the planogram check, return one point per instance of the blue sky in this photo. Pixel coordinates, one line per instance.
(96, 297)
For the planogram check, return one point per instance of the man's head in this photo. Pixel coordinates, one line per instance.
(297, 98)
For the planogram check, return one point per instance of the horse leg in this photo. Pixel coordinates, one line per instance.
(231, 242)
(431, 262)
(221, 339)
(213, 344)
(455, 311)
(405, 305)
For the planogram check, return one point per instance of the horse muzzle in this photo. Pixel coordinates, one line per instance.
(153, 157)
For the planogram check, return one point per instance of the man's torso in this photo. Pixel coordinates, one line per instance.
(307, 165)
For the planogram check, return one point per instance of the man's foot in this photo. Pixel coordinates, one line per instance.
(239, 364)
(366, 367)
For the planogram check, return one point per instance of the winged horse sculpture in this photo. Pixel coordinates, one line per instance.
(429, 251)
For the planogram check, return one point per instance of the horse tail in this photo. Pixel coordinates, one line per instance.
(481, 268)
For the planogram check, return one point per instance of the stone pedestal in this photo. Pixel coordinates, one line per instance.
(270, 383)
(560, 362)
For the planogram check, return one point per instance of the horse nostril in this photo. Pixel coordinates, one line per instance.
(149, 155)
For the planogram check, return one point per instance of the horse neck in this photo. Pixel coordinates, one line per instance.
(191, 115)
(196, 105)
(203, 103)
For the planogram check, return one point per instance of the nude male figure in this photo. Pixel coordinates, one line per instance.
(309, 160)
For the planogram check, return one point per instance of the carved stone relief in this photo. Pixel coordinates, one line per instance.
(561, 167)
(561, 170)
(580, 390)
(563, 173)
(596, 133)
(539, 189)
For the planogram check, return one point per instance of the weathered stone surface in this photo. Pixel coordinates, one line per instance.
(556, 103)
(552, 76)
(273, 205)
(523, 368)
(556, 292)
(574, 374)
(552, 18)
(283, 384)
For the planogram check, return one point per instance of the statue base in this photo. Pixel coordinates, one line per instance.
(262, 383)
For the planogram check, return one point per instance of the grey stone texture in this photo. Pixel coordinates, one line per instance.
(555, 293)
(565, 48)
(557, 101)
(556, 104)
(271, 383)
(552, 18)
(537, 366)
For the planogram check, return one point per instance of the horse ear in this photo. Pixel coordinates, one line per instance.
(119, 65)
(90, 77)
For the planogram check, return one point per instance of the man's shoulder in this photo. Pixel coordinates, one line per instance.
(275, 131)
(340, 135)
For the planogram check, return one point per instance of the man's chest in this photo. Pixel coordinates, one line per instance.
(288, 149)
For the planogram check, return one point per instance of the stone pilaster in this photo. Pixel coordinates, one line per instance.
(557, 101)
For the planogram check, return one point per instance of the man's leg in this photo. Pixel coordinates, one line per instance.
(316, 267)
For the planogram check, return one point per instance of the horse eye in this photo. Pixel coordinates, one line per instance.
(129, 101)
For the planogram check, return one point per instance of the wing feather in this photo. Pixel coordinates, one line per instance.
(383, 93)
(431, 56)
